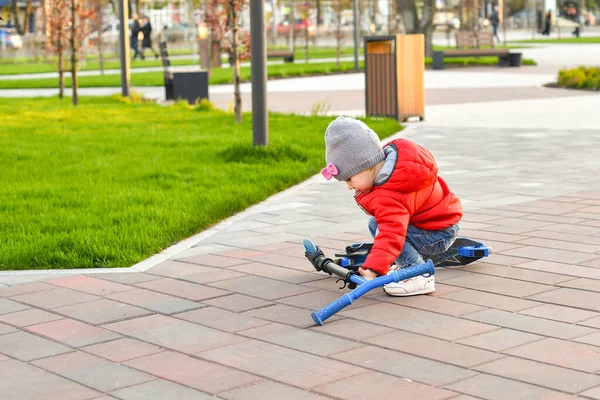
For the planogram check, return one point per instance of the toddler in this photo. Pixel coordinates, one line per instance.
(413, 212)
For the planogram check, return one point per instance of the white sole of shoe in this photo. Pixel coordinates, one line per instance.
(404, 294)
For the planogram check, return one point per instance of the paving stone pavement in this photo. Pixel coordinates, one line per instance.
(229, 317)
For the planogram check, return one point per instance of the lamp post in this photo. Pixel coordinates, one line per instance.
(258, 65)
(124, 47)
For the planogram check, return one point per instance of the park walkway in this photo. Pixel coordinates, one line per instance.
(226, 314)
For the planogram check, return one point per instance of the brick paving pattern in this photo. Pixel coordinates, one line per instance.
(230, 318)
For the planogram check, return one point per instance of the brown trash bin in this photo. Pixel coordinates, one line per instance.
(394, 76)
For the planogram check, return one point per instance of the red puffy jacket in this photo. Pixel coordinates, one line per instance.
(412, 194)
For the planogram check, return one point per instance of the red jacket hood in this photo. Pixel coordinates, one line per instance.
(408, 167)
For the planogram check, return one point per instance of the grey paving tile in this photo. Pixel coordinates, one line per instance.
(88, 284)
(547, 254)
(173, 333)
(490, 300)
(101, 311)
(405, 365)
(186, 290)
(572, 298)
(300, 339)
(537, 373)
(516, 273)
(10, 306)
(127, 278)
(47, 385)
(530, 324)
(498, 285)
(158, 390)
(419, 321)
(432, 348)
(593, 338)
(237, 302)
(282, 364)
(48, 299)
(560, 313)
(277, 273)
(295, 316)
(4, 329)
(564, 269)
(579, 356)
(31, 316)
(221, 319)
(24, 289)
(501, 339)
(198, 374)
(93, 371)
(26, 347)
(592, 393)
(352, 329)
(493, 387)
(268, 390)
(157, 302)
(263, 288)
(319, 299)
(383, 386)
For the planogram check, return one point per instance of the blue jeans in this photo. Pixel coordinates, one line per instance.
(420, 242)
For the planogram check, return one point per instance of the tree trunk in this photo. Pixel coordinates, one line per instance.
(73, 55)
(292, 23)
(306, 45)
(100, 55)
(61, 72)
(237, 97)
(319, 16)
(426, 25)
(15, 17)
(338, 36)
(412, 23)
(28, 18)
(389, 16)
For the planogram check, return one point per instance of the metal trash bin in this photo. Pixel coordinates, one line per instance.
(516, 59)
(190, 86)
(394, 76)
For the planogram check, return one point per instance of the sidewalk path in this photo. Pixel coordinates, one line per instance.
(226, 314)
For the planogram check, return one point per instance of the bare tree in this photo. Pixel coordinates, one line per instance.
(80, 27)
(223, 19)
(98, 6)
(338, 6)
(57, 38)
(20, 27)
(415, 24)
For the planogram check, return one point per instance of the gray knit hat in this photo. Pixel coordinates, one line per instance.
(350, 148)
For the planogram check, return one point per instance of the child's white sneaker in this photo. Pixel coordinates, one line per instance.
(421, 284)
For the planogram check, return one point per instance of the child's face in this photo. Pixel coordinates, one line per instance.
(363, 181)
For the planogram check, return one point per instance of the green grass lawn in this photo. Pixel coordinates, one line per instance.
(566, 40)
(225, 75)
(30, 67)
(108, 184)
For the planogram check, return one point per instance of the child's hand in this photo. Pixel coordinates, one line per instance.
(367, 274)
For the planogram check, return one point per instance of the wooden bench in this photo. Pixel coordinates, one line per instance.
(188, 85)
(470, 45)
(288, 56)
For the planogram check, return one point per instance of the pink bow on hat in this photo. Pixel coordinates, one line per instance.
(329, 171)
